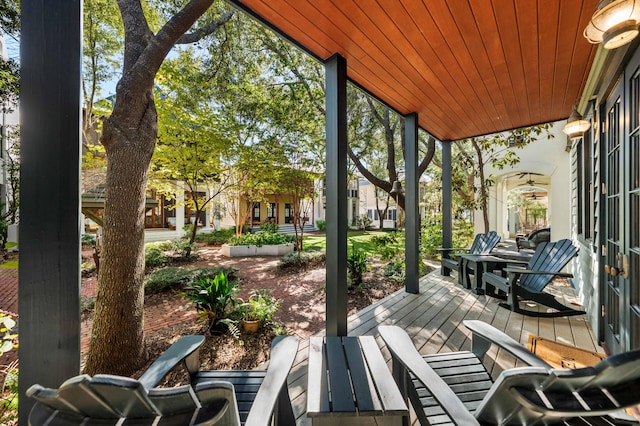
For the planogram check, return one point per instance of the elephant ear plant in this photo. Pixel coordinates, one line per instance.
(214, 298)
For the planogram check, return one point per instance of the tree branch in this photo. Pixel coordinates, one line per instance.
(208, 29)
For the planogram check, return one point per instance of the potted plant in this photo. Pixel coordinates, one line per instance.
(259, 310)
(213, 298)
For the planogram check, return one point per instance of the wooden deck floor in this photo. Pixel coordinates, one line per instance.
(434, 317)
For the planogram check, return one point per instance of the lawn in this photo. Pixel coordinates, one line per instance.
(361, 240)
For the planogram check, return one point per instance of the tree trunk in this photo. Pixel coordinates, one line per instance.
(483, 197)
(117, 338)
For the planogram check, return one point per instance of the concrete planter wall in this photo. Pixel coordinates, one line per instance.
(241, 251)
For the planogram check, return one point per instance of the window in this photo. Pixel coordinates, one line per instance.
(288, 213)
(271, 211)
(391, 214)
(256, 212)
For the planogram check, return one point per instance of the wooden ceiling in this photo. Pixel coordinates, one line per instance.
(467, 67)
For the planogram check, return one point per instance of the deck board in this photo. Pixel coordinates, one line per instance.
(433, 318)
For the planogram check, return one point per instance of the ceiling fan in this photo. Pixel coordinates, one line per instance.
(530, 182)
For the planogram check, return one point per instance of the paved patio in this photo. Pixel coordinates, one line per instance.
(434, 320)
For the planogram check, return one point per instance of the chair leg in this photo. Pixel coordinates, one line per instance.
(284, 411)
(544, 299)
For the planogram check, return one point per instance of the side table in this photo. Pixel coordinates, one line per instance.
(350, 384)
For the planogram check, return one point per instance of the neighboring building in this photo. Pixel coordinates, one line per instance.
(353, 201)
(374, 202)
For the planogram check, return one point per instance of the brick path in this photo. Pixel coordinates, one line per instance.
(156, 316)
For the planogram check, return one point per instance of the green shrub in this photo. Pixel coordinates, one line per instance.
(172, 276)
(153, 256)
(87, 304)
(88, 239)
(356, 266)
(431, 237)
(299, 259)
(269, 227)
(260, 239)
(181, 248)
(162, 252)
(321, 225)
(215, 238)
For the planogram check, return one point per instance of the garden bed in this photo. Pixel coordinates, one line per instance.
(251, 250)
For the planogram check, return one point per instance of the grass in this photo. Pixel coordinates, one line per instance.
(361, 240)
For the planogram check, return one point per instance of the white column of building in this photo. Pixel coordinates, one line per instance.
(180, 208)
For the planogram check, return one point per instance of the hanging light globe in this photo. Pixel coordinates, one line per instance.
(576, 125)
(615, 23)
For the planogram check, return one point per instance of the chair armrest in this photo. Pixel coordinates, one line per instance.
(283, 353)
(185, 349)
(403, 351)
(531, 272)
(483, 335)
(451, 249)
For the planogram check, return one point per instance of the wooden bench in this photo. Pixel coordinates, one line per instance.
(350, 384)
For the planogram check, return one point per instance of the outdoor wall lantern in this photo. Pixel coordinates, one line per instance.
(576, 125)
(614, 24)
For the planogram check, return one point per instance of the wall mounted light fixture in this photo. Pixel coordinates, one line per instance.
(576, 125)
(615, 23)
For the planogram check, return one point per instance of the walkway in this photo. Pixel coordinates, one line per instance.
(161, 314)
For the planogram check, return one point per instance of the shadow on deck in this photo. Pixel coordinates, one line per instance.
(433, 318)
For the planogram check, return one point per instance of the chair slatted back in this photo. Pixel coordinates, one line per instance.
(529, 395)
(484, 243)
(106, 399)
(549, 256)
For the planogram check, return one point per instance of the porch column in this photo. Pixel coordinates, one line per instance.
(49, 271)
(412, 214)
(336, 214)
(180, 210)
(446, 201)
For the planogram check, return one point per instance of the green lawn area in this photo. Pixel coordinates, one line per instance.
(361, 240)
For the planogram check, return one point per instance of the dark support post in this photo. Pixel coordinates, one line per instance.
(336, 184)
(446, 202)
(412, 213)
(49, 271)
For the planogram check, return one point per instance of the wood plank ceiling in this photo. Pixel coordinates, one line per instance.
(467, 67)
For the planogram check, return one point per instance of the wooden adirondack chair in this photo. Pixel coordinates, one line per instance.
(482, 244)
(455, 388)
(529, 283)
(211, 399)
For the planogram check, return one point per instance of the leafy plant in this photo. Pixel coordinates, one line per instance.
(172, 276)
(260, 239)
(9, 388)
(356, 266)
(261, 306)
(302, 259)
(153, 256)
(321, 225)
(269, 227)
(364, 222)
(8, 340)
(213, 297)
(88, 239)
(215, 238)
(87, 304)
(9, 393)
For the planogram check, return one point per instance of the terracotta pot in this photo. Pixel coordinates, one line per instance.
(250, 326)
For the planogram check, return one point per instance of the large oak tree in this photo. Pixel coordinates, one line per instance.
(129, 136)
